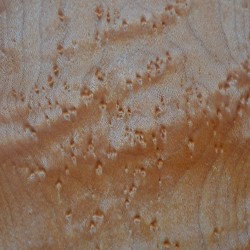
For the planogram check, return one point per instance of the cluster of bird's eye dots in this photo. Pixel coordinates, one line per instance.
(153, 68)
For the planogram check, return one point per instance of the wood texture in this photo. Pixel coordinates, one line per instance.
(125, 124)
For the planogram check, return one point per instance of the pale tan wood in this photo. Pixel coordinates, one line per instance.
(124, 124)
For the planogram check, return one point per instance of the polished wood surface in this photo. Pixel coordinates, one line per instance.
(125, 124)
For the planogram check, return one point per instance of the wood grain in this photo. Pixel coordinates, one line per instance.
(125, 124)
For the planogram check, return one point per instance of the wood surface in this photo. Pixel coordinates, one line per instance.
(125, 124)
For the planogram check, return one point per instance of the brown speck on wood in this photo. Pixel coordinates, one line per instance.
(124, 124)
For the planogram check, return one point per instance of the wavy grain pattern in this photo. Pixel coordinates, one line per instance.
(125, 124)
